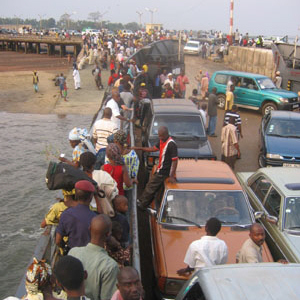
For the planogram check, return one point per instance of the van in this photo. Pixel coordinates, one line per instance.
(253, 91)
(192, 47)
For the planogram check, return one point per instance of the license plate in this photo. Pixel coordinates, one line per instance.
(292, 165)
(295, 105)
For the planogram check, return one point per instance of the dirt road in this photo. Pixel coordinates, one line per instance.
(250, 119)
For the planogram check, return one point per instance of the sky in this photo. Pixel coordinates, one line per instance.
(266, 17)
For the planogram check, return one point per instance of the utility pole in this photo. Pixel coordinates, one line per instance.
(140, 16)
(231, 18)
(295, 50)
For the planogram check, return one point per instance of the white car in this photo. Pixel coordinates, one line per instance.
(192, 47)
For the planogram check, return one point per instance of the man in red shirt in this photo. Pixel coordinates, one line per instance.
(168, 159)
(182, 80)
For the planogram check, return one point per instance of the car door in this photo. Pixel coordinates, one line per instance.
(273, 205)
(248, 92)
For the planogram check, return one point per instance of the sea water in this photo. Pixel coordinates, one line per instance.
(28, 143)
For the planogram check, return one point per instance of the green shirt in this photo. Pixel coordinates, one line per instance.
(102, 271)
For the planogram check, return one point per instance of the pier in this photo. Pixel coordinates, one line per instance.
(34, 44)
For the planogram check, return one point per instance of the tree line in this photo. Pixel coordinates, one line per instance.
(65, 22)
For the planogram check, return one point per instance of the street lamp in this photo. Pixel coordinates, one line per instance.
(152, 11)
(18, 17)
(69, 17)
(140, 15)
(41, 17)
(101, 17)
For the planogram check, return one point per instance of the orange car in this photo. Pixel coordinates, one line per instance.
(204, 189)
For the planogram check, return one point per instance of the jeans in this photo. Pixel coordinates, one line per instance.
(212, 125)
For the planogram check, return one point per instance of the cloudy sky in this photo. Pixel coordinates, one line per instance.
(267, 17)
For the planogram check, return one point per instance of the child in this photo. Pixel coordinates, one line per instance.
(35, 81)
(203, 112)
(53, 215)
(114, 248)
(120, 204)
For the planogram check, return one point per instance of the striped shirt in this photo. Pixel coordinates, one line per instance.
(102, 130)
(237, 119)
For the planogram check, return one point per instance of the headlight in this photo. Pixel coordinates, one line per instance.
(284, 100)
(274, 156)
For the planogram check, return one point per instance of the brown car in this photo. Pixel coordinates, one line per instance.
(204, 189)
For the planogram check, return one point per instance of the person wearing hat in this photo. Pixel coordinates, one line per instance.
(75, 221)
(169, 80)
(78, 148)
(35, 81)
(278, 80)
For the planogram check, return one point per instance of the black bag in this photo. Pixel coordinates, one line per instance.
(64, 176)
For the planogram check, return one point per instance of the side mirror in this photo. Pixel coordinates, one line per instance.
(152, 211)
(258, 215)
(272, 219)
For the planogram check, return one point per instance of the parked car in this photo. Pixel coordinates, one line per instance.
(274, 194)
(185, 125)
(253, 91)
(192, 47)
(204, 189)
(127, 32)
(243, 281)
(280, 139)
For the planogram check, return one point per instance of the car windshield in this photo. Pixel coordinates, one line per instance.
(193, 45)
(179, 125)
(266, 83)
(292, 213)
(229, 207)
(284, 128)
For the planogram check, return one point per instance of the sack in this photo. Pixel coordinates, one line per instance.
(64, 176)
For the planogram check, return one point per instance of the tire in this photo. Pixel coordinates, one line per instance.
(222, 100)
(261, 160)
(268, 107)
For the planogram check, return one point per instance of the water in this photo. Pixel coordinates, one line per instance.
(26, 141)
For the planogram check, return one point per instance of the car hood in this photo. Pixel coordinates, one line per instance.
(282, 145)
(280, 93)
(190, 148)
(176, 242)
(294, 243)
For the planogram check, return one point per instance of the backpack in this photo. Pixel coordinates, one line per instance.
(63, 176)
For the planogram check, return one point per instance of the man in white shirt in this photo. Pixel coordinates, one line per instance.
(103, 128)
(206, 252)
(114, 103)
(169, 80)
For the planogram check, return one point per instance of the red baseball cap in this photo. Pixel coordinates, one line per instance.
(85, 185)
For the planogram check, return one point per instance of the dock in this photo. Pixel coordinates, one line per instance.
(34, 44)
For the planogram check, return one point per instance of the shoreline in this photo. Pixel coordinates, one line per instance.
(16, 89)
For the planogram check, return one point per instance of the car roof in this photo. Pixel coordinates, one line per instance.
(174, 106)
(281, 176)
(285, 115)
(235, 73)
(204, 174)
(250, 281)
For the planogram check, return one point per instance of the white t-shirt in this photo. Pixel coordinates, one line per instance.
(206, 252)
(115, 111)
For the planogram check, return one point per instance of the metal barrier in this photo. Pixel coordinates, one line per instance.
(133, 218)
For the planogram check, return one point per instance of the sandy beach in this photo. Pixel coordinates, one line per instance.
(17, 94)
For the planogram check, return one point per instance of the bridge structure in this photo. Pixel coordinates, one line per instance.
(34, 44)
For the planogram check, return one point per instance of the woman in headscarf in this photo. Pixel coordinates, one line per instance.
(75, 136)
(116, 167)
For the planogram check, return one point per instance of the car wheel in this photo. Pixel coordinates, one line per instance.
(268, 107)
(261, 160)
(222, 100)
